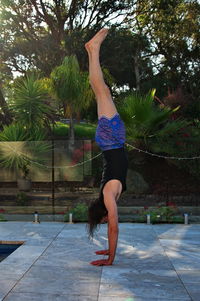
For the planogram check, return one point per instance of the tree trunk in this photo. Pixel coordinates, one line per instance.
(68, 114)
(137, 72)
(3, 105)
(71, 130)
(78, 117)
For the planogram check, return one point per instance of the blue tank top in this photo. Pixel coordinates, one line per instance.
(110, 132)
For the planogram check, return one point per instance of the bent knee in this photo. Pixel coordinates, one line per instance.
(112, 189)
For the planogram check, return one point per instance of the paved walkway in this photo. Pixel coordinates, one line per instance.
(153, 263)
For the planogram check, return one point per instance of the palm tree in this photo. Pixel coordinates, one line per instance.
(19, 150)
(151, 124)
(146, 120)
(21, 142)
(31, 104)
(71, 87)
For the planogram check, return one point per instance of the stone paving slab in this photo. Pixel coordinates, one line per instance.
(153, 263)
(47, 297)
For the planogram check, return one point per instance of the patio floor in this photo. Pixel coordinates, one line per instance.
(153, 263)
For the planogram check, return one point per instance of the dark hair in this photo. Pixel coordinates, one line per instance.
(96, 211)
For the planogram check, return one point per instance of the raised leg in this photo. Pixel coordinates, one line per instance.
(105, 105)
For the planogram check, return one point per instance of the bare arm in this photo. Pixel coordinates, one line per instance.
(112, 232)
(111, 206)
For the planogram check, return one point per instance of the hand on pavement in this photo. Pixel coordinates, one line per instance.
(101, 262)
(102, 252)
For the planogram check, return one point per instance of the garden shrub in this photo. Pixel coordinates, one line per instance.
(79, 213)
(2, 218)
(22, 199)
(164, 214)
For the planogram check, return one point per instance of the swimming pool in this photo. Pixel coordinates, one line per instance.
(7, 249)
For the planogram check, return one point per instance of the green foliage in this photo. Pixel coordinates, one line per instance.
(86, 131)
(13, 132)
(162, 214)
(164, 34)
(22, 199)
(192, 110)
(61, 129)
(183, 142)
(178, 219)
(79, 213)
(173, 28)
(81, 130)
(66, 79)
(118, 52)
(47, 35)
(2, 218)
(30, 107)
(13, 156)
(72, 89)
(18, 151)
(18, 132)
(70, 85)
(152, 125)
(109, 79)
(145, 119)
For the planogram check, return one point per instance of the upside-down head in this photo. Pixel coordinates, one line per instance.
(97, 213)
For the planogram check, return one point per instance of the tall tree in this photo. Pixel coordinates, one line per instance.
(173, 29)
(71, 88)
(34, 32)
(38, 34)
(125, 54)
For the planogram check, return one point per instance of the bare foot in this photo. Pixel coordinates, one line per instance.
(95, 42)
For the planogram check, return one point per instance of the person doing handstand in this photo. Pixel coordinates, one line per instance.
(110, 136)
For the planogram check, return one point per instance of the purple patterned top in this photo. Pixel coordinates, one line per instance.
(110, 132)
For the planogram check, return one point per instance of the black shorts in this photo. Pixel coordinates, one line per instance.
(115, 165)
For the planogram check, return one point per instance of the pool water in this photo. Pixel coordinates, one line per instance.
(7, 249)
